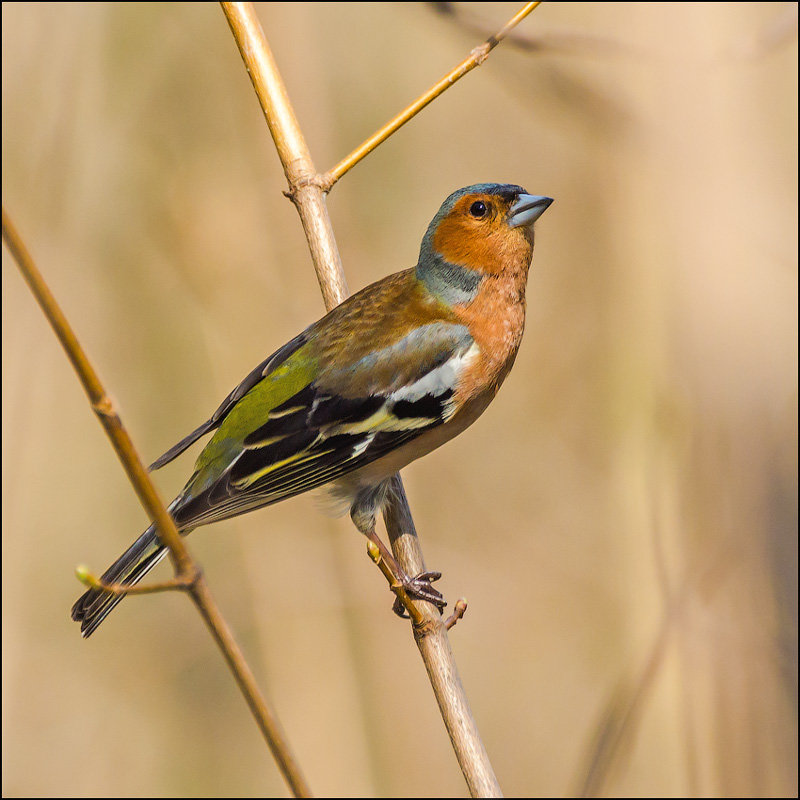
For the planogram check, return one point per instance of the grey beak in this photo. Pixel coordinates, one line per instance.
(527, 209)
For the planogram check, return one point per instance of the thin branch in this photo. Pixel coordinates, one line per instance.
(306, 189)
(100, 401)
(553, 41)
(185, 567)
(291, 147)
(431, 638)
(179, 582)
(475, 59)
(459, 610)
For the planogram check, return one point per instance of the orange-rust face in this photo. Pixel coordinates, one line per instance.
(483, 231)
(476, 234)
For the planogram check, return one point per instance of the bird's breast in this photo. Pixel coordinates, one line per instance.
(496, 320)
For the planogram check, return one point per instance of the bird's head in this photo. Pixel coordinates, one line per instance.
(480, 230)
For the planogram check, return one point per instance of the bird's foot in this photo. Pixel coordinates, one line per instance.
(420, 588)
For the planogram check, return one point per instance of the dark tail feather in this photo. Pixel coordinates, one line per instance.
(95, 605)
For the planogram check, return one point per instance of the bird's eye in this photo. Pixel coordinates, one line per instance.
(478, 209)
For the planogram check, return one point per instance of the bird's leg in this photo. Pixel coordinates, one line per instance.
(418, 587)
(363, 512)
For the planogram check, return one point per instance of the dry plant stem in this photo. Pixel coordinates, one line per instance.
(265, 717)
(292, 149)
(475, 59)
(458, 612)
(100, 401)
(306, 189)
(177, 583)
(185, 568)
(431, 636)
(555, 41)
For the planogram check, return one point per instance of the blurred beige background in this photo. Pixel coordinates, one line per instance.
(622, 520)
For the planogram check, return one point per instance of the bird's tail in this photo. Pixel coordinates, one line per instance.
(95, 605)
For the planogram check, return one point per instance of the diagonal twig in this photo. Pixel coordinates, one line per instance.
(185, 567)
(100, 401)
(177, 583)
(475, 59)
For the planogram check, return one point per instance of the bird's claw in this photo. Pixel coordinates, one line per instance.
(420, 588)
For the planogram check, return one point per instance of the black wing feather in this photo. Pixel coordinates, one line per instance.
(313, 457)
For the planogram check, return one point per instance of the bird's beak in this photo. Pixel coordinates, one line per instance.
(527, 209)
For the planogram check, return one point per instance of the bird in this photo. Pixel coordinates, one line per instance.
(393, 372)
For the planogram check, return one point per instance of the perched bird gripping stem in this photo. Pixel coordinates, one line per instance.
(395, 371)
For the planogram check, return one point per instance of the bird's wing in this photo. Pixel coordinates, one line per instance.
(267, 366)
(302, 426)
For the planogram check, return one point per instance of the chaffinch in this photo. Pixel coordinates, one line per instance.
(392, 373)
